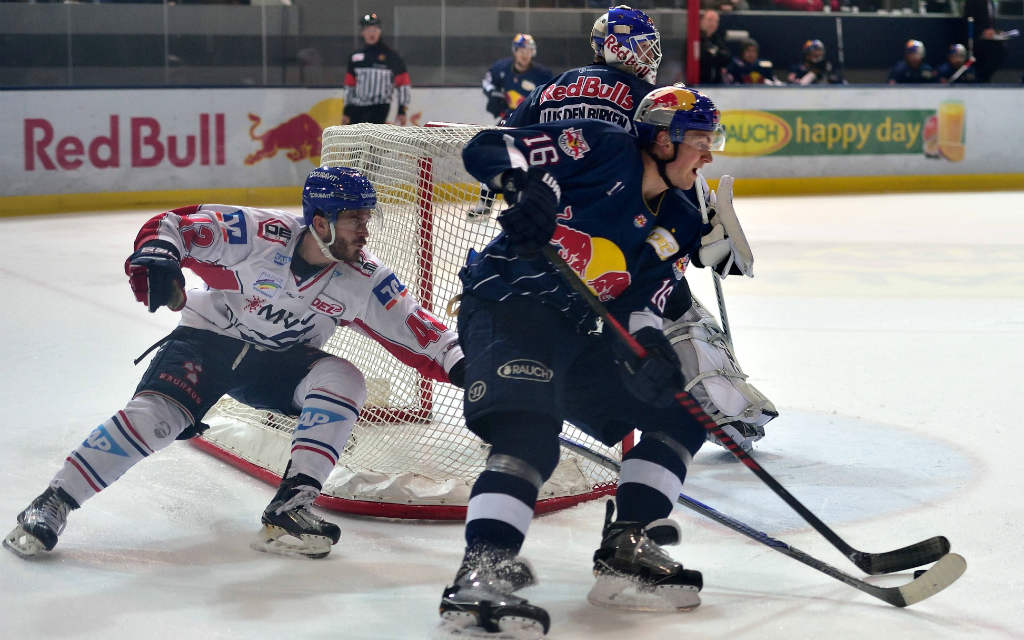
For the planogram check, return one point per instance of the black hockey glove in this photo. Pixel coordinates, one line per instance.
(529, 222)
(655, 378)
(496, 105)
(154, 274)
(457, 374)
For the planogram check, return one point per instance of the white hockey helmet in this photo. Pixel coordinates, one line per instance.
(627, 39)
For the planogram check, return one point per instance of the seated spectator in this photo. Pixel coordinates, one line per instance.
(748, 68)
(805, 5)
(956, 58)
(814, 68)
(912, 69)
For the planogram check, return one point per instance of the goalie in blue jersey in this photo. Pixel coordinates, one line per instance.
(611, 202)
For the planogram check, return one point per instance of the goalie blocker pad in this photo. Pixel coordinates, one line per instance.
(713, 375)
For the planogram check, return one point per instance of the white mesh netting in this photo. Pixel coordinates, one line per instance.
(410, 454)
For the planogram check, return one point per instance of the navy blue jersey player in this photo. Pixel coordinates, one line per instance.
(610, 202)
(627, 52)
(511, 79)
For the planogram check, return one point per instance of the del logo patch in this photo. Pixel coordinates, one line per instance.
(573, 144)
(275, 230)
(664, 243)
(328, 305)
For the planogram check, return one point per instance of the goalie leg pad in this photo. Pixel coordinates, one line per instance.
(714, 377)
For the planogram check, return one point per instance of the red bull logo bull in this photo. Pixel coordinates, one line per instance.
(676, 98)
(598, 261)
(299, 137)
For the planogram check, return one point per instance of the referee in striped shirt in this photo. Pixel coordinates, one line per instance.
(375, 73)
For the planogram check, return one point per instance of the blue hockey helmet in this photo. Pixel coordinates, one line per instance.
(957, 50)
(679, 109)
(524, 41)
(626, 38)
(914, 46)
(814, 45)
(329, 190)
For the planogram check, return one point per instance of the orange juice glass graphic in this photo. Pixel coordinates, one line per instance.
(951, 130)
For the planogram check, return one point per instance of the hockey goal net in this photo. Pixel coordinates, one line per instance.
(410, 454)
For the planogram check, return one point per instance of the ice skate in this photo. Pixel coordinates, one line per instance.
(634, 573)
(289, 526)
(479, 212)
(744, 434)
(480, 604)
(40, 523)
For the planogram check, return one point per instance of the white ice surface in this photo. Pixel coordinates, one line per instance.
(889, 331)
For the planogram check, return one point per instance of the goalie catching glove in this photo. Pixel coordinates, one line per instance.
(154, 274)
(529, 222)
(656, 378)
(724, 248)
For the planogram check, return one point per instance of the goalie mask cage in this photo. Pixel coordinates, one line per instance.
(410, 454)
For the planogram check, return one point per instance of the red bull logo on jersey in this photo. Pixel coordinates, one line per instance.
(598, 261)
(590, 87)
(573, 144)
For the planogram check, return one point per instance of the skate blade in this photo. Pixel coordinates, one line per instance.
(463, 624)
(624, 593)
(23, 543)
(276, 540)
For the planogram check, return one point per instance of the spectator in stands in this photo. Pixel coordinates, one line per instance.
(375, 73)
(805, 5)
(714, 52)
(749, 67)
(956, 58)
(912, 69)
(989, 51)
(814, 68)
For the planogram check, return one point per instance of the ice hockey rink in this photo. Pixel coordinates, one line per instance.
(888, 330)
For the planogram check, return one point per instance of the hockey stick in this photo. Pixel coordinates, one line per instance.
(970, 52)
(962, 70)
(914, 555)
(942, 574)
(699, 184)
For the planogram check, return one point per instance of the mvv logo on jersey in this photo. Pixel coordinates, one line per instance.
(529, 370)
(310, 418)
(100, 440)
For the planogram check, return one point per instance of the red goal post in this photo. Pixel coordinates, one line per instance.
(410, 454)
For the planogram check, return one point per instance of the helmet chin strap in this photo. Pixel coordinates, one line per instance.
(325, 247)
(662, 163)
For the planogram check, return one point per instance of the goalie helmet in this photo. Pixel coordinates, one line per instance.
(329, 190)
(679, 109)
(627, 39)
(524, 40)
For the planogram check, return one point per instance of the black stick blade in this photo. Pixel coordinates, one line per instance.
(915, 555)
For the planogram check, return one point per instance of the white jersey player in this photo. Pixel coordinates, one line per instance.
(277, 286)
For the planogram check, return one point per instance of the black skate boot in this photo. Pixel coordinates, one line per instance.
(634, 573)
(40, 523)
(289, 526)
(480, 604)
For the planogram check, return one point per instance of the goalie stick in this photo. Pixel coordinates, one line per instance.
(699, 184)
(914, 555)
(942, 574)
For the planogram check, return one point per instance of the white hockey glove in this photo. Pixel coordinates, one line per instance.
(725, 248)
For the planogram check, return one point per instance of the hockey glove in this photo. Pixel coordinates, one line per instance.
(529, 222)
(154, 274)
(496, 104)
(457, 374)
(656, 378)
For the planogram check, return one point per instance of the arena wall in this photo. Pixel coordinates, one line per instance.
(100, 149)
